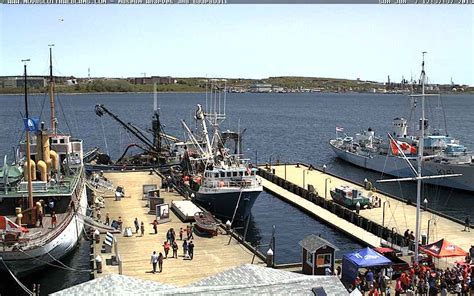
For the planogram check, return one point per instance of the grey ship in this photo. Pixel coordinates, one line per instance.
(445, 155)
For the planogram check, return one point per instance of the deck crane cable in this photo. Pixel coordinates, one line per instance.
(103, 134)
(16, 279)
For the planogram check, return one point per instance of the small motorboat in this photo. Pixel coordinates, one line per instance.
(205, 222)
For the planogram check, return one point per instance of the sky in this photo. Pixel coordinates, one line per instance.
(368, 42)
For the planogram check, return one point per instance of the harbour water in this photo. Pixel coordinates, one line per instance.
(284, 127)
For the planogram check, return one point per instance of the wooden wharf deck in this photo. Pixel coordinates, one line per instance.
(211, 255)
(367, 226)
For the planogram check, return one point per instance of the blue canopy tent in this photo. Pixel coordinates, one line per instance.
(363, 258)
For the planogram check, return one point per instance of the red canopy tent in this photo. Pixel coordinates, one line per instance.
(443, 248)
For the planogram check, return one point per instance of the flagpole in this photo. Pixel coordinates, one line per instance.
(28, 151)
(420, 158)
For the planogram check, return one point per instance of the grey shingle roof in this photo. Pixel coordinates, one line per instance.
(313, 242)
(246, 279)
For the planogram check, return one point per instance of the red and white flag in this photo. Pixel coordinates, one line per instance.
(339, 129)
(405, 147)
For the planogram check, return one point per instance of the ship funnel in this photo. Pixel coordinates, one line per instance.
(400, 127)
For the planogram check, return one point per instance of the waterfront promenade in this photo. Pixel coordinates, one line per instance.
(211, 255)
(399, 216)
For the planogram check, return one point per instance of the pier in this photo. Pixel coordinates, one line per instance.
(375, 226)
(211, 255)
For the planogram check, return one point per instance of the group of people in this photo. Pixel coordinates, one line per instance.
(172, 244)
(422, 280)
(373, 282)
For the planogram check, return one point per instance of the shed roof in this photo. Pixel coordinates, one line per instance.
(313, 242)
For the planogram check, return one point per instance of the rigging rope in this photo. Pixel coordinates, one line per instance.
(105, 138)
(16, 279)
(64, 115)
(51, 264)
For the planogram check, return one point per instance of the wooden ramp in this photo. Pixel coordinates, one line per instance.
(211, 255)
(399, 216)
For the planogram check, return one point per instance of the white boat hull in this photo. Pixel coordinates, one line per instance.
(25, 262)
(398, 167)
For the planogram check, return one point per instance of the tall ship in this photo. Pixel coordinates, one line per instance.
(443, 154)
(43, 196)
(219, 179)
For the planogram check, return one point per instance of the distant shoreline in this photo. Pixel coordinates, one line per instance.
(200, 92)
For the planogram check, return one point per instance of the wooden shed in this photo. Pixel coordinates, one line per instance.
(317, 255)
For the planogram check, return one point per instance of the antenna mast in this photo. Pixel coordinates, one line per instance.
(51, 90)
(28, 151)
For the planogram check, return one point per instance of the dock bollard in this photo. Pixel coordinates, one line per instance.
(98, 263)
(228, 224)
(269, 258)
(357, 208)
(97, 236)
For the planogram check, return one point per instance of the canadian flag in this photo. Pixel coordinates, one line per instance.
(406, 148)
(339, 129)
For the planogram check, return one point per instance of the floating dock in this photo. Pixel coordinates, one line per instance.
(211, 255)
(371, 226)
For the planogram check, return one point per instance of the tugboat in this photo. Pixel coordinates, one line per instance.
(43, 196)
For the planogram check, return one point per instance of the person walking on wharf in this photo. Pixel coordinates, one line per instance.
(155, 226)
(166, 248)
(181, 233)
(142, 228)
(175, 250)
(185, 249)
(191, 250)
(154, 260)
(137, 225)
(107, 219)
(160, 262)
(467, 225)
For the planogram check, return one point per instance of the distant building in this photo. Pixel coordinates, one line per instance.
(153, 80)
(261, 88)
(19, 81)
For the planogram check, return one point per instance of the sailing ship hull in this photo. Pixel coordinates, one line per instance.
(22, 263)
(222, 202)
(397, 166)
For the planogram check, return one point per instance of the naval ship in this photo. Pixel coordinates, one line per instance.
(443, 154)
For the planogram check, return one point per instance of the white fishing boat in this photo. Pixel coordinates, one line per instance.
(224, 183)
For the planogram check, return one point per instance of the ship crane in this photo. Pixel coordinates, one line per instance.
(152, 146)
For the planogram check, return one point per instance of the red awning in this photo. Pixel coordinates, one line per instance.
(383, 250)
(443, 248)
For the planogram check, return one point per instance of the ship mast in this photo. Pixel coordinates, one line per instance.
(421, 143)
(28, 151)
(51, 91)
(419, 177)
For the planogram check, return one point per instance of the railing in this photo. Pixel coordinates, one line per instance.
(249, 183)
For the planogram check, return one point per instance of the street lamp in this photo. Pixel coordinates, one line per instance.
(326, 187)
(383, 212)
